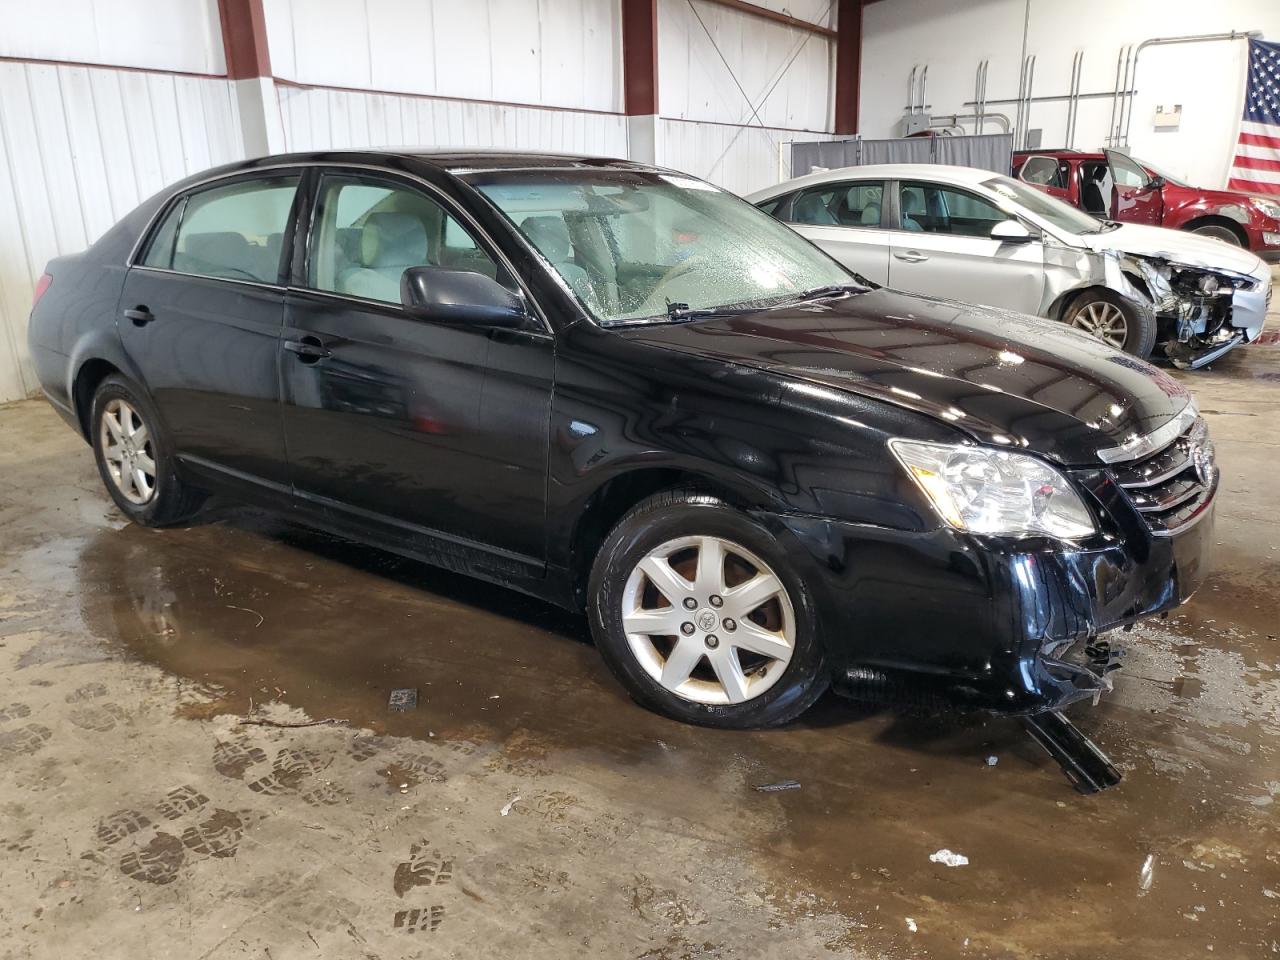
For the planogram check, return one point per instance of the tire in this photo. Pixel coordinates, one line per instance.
(118, 405)
(1093, 309)
(669, 533)
(1219, 232)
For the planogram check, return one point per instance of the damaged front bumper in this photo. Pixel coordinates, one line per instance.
(1011, 626)
(1204, 313)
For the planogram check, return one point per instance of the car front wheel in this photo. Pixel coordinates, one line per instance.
(1123, 324)
(696, 609)
(1219, 232)
(134, 458)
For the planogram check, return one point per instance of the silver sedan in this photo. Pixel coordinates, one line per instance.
(972, 235)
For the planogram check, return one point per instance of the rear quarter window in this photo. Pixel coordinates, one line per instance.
(233, 231)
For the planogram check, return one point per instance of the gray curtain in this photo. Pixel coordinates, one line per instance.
(991, 151)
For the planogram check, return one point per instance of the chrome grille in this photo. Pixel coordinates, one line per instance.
(1170, 486)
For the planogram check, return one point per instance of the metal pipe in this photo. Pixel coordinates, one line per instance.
(1017, 111)
(1026, 117)
(1115, 95)
(982, 104)
(1047, 98)
(1121, 93)
(924, 88)
(911, 91)
(953, 120)
(977, 96)
(1157, 41)
(1073, 102)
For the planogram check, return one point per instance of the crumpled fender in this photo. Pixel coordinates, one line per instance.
(1069, 270)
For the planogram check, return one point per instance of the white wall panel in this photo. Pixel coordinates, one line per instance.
(562, 53)
(316, 119)
(785, 72)
(153, 34)
(79, 148)
(952, 36)
(741, 159)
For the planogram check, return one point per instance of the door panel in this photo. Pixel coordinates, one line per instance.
(1132, 200)
(944, 250)
(845, 218)
(863, 251)
(433, 425)
(1049, 174)
(201, 317)
(969, 269)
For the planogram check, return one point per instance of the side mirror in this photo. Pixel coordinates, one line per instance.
(1012, 231)
(1155, 183)
(459, 296)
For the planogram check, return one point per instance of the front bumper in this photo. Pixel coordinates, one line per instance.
(986, 622)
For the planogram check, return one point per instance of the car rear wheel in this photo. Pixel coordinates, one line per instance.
(696, 609)
(1219, 232)
(134, 458)
(1117, 322)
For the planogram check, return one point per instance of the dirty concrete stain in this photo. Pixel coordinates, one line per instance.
(127, 657)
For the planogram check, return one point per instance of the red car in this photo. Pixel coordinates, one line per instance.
(1113, 186)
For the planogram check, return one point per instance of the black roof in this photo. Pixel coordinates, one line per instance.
(460, 160)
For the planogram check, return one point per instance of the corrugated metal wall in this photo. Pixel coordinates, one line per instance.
(80, 145)
(318, 118)
(563, 53)
(79, 148)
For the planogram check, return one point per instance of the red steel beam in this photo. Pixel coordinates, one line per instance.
(640, 57)
(755, 10)
(244, 38)
(848, 64)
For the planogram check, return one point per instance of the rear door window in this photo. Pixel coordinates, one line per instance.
(234, 231)
(845, 204)
(1044, 172)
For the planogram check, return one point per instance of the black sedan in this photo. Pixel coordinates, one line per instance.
(625, 391)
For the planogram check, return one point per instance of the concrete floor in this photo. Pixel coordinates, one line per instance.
(527, 809)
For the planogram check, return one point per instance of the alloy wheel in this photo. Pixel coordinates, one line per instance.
(708, 620)
(1105, 321)
(128, 451)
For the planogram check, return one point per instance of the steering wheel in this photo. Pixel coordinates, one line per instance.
(674, 271)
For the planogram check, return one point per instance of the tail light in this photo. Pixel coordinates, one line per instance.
(42, 285)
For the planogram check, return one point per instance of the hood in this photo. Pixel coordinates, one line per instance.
(1176, 246)
(1001, 377)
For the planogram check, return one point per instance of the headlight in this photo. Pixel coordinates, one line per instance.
(1266, 207)
(993, 491)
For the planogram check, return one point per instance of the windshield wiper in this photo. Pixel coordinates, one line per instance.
(821, 293)
(678, 312)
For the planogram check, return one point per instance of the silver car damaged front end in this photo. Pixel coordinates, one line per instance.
(1203, 311)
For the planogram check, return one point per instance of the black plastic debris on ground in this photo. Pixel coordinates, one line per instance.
(779, 786)
(406, 699)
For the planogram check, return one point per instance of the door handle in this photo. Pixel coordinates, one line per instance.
(308, 349)
(911, 256)
(140, 315)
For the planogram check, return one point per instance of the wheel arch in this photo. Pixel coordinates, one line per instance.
(1217, 220)
(611, 499)
(84, 384)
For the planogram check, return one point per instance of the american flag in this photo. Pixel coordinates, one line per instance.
(1256, 167)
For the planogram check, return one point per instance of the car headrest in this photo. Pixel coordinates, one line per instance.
(871, 214)
(225, 248)
(811, 209)
(912, 201)
(393, 240)
(550, 235)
